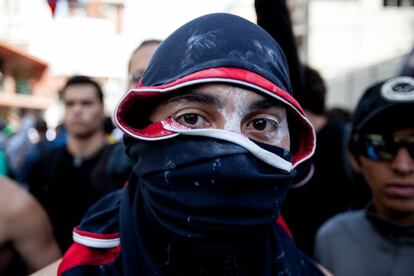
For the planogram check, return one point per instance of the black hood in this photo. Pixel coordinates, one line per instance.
(215, 48)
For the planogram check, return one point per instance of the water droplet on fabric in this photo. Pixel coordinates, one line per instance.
(166, 173)
(171, 164)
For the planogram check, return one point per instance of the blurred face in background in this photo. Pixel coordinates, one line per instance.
(389, 172)
(139, 62)
(84, 112)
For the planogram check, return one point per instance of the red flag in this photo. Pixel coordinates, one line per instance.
(52, 5)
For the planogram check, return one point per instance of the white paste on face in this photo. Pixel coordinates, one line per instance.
(234, 114)
(283, 131)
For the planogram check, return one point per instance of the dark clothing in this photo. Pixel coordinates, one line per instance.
(107, 258)
(67, 187)
(198, 214)
(118, 162)
(187, 211)
(325, 194)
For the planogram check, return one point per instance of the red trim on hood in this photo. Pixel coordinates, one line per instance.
(133, 98)
(79, 254)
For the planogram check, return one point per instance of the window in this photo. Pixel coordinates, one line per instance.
(23, 86)
(398, 3)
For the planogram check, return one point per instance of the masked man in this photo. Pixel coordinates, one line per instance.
(216, 135)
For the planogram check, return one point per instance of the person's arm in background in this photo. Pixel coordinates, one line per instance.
(28, 227)
(274, 17)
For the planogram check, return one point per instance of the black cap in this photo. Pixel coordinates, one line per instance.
(385, 106)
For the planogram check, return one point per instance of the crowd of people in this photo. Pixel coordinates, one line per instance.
(223, 160)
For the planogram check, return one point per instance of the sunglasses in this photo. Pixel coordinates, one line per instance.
(379, 147)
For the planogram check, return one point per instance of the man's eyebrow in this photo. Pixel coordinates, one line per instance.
(264, 104)
(194, 97)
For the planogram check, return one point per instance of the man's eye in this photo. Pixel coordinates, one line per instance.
(259, 124)
(264, 130)
(69, 104)
(263, 124)
(192, 120)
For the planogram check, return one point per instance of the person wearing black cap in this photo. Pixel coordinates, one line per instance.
(216, 136)
(378, 240)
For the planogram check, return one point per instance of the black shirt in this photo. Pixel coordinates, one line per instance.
(67, 187)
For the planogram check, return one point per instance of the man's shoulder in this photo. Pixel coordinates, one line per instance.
(340, 232)
(110, 147)
(346, 222)
(50, 153)
(119, 164)
(116, 149)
